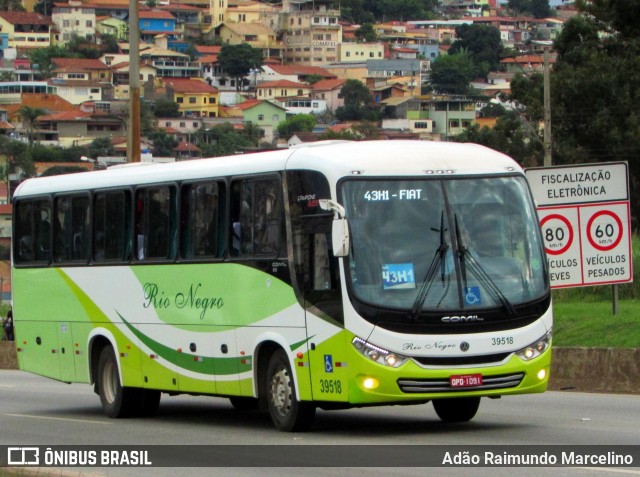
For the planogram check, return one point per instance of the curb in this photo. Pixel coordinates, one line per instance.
(598, 370)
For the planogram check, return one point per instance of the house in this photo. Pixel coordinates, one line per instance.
(256, 34)
(156, 22)
(185, 151)
(78, 128)
(330, 91)
(82, 69)
(353, 51)
(304, 105)
(264, 114)
(73, 19)
(450, 116)
(108, 25)
(300, 73)
(24, 31)
(81, 91)
(282, 89)
(195, 97)
(182, 129)
(121, 77)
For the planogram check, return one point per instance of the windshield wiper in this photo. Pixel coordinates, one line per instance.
(479, 272)
(431, 272)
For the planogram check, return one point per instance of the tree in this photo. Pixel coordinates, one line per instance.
(483, 45)
(18, 158)
(101, 146)
(595, 89)
(451, 74)
(163, 144)
(366, 33)
(166, 108)
(225, 140)
(29, 117)
(537, 8)
(510, 136)
(44, 7)
(238, 60)
(42, 57)
(297, 123)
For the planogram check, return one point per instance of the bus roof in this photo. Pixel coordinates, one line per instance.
(334, 158)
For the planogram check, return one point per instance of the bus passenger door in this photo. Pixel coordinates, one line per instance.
(324, 320)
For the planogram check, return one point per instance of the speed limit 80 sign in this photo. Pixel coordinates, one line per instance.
(585, 220)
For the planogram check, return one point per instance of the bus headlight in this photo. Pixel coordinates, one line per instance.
(377, 354)
(535, 349)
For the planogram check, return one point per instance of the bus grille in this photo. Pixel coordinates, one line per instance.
(461, 360)
(443, 386)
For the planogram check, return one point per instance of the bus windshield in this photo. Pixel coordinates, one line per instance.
(444, 244)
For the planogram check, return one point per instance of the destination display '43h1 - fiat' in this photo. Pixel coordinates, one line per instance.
(332, 275)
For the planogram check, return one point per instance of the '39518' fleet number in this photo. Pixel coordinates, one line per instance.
(331, 386)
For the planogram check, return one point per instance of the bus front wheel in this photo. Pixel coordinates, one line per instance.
(117, 401)
(287, 413)
(456, 409)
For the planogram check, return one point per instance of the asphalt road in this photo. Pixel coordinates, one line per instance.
(38, 411)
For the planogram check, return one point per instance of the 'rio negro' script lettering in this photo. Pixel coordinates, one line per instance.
(157, 298)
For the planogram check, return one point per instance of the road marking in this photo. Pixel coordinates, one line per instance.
(59, 418)
(7, 385)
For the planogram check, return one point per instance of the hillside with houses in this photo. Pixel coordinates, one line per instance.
(72, 111)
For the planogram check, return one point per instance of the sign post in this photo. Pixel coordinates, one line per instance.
(585, 215)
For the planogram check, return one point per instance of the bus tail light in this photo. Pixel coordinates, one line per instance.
(377, 354)
(535, 349)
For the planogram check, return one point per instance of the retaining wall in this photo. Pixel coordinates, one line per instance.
(603, 370)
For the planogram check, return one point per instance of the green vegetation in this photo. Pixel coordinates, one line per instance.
(584, 316)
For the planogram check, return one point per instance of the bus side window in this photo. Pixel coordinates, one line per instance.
(256, 217)
(71, 228)
(201, 228)
(33, 231)
(111, 226)
(155, 228)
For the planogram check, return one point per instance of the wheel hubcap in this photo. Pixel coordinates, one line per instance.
(110, 382)
(281, 392)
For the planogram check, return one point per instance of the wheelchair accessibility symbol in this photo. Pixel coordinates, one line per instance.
(472, 296)
(328, 363)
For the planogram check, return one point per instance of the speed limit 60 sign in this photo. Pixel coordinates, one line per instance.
(585, 220)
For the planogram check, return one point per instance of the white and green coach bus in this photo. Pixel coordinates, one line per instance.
(333, 275)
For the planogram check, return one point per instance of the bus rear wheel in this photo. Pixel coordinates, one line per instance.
(287, 413)
(117, 401)
(456, 409)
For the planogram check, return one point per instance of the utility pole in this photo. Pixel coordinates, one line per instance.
(133, 136)
(547, 109)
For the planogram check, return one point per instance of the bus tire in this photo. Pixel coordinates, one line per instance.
(287, 413)
(117, 401)
(243, 403)
(456, 409)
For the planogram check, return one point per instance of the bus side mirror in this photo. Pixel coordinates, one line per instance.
(339, 228)
(340, 237)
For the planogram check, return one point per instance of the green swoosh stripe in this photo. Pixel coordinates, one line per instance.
(206, 364)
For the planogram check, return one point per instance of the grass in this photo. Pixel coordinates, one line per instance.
(593, 324)
(583, 316)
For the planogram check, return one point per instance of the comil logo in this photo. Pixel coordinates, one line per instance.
(23, 456)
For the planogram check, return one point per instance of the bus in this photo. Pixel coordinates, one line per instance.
(332, 275)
